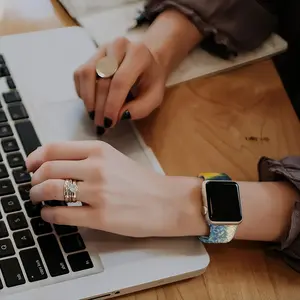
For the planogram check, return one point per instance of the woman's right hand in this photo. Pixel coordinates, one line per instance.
(105, 99)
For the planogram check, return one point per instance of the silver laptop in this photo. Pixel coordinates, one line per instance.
(45, 261)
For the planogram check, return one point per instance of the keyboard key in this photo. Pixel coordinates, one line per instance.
(4, 71)
(55, 203)
(2, 116)
(21, 176)
(2, 61)
(25, 130)
(72, 243)
(3, 230)
(5, 130)
(23, 239)
(80, 261)
(3, 171)
(64, 229)
(17, 111)
(33, 210)
(53, 256)
(24, 191)
(15, 160)
(10, 145)
(12, 272)
(6, 248)
(10, 204)
(11, 96)
(33, 265)
(10, 83)
(17, 221)
(6, 187)
(40, 226)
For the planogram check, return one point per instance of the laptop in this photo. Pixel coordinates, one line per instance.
(39, 260)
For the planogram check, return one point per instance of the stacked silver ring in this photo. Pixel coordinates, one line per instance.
(70, 190)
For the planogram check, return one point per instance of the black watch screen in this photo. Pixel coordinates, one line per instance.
(223, 201)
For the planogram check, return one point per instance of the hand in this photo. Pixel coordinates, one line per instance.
(104, 99)
(119, 196)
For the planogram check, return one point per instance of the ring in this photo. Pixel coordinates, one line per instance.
(70, 191)
(106, 66)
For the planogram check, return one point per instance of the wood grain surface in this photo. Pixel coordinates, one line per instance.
(222, 123)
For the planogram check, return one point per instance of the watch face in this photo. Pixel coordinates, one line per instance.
(223, 201)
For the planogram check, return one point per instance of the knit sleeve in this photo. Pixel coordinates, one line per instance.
(287, 169)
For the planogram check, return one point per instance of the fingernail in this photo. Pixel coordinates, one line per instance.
(126, 115)
(92, 115)
(100, 130)
(129, 97)
(107, 122)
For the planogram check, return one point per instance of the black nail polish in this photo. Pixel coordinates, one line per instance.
(107, 122)
(126, 115)
(100, 130)
(129, 97)
(92, 115)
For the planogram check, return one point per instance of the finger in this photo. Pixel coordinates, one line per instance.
(77, 84)
(53, 189)
(142, 106)
(71, 150)
(58, 170)
(134, 64)
(87, 81)
(73, 216)
(118, 50)
(102, 88)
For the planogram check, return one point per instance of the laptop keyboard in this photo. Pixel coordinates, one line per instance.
(31, 250)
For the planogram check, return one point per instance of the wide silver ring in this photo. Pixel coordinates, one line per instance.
(70, 191)
(106, 67)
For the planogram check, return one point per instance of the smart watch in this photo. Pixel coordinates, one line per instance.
(221, 207)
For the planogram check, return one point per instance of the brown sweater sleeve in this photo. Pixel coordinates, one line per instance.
(235, 25)
(287, 169)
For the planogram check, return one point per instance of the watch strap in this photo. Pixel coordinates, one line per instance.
(218, 233)
(214, 176)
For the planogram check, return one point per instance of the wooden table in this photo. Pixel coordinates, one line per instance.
(205, 125)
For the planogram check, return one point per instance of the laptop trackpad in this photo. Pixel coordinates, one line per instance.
(69, 121)
(63, 121)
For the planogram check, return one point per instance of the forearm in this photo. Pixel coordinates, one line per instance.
(170, 38)
(266, 207)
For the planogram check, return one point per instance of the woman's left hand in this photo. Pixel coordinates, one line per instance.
(120, 196)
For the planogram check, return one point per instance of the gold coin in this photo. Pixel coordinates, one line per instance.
(106, 67)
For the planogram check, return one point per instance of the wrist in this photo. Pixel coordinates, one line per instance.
(187, 201)
(162, 57)
(170, 38)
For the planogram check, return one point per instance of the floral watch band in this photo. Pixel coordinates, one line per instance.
(218, 233)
